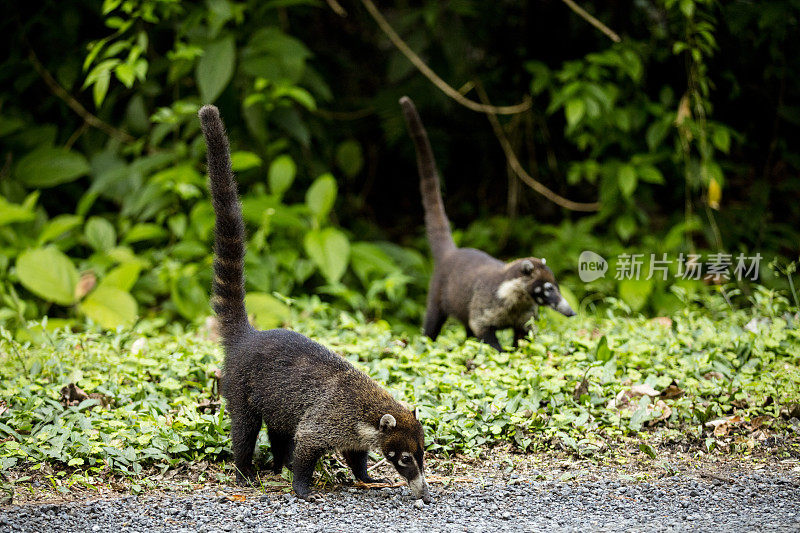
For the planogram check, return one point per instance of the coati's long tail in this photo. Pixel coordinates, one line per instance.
(436, 222)
(229, 238)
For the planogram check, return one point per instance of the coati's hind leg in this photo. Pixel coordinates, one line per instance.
(434, 320)
(282, 446)
(357, 461)
(434, 317)
(245, 426)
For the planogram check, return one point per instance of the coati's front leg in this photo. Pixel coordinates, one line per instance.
(245, 426)
(306, 455)
(357, 461)
(485, 332)
(282, 446)
(489, 336)
(520, 332)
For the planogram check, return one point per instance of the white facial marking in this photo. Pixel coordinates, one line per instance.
(540, 300)
(418, 486)
(538, 289)
(548, 286)
(544, 261)
(391, 454)
(509, 289)
(368, 435)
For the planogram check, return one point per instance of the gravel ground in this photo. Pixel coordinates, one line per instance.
(741, 502)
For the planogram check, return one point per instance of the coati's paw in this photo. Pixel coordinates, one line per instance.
(367, 479)
(311, 497)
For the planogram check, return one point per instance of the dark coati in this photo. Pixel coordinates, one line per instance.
(311, 399)
(472, 286)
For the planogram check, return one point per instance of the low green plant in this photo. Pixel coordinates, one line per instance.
(572, 386)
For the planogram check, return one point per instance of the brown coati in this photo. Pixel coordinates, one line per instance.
(311, 399)
(472, 286)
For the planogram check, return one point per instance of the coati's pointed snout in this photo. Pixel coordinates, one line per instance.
(564, 308)
(419, 488)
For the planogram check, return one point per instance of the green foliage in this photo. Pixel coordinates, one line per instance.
(684, 151)
(565, 388)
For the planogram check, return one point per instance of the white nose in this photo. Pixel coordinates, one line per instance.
(419, 488)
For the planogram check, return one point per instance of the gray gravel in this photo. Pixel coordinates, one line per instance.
(743, 502)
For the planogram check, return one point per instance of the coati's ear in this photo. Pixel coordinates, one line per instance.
(527, 267)
(387, 422)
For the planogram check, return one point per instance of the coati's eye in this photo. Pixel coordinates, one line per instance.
(406, 459)
(527, 268)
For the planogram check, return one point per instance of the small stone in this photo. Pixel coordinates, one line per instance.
(419, 504)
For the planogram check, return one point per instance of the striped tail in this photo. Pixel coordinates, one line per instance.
(436, 223)
(229, 237)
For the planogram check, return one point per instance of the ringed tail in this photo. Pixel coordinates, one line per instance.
(229, 237)
(436, 223)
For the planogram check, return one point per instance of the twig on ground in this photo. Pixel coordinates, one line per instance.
(376, 465)
(714, 476)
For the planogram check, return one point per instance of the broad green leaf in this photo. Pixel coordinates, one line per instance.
(625, 226)
(603, 352)
(11, 213)
(330, 251)
(49, 274)
(100, 234)
(281, 174)
(651, 174)
(144, 232)
(58, 226)
(100, 88)
(366, 258)
(321, 196)
(641, 415)
(9, 125)
(574, 111)
(721, 139)
(189, 297)
(110, 307)
(349, 158)
(47, 167)
(635, 292)
(241, 161)
(627, 180)
(267, 311)
(647, 449)
(123, 277)
(215, 68)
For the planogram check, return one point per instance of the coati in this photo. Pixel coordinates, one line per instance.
(472, 286)
(311, 399)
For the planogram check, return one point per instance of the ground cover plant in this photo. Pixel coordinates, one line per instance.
(146, 397)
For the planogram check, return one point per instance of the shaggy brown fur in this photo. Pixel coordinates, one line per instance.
(472, 286)
(311, 399)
